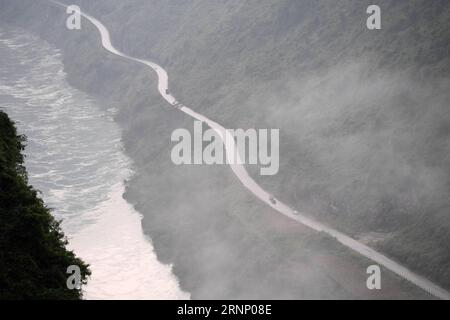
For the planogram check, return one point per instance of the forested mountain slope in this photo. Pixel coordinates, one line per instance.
(33, 254)
(363, 115)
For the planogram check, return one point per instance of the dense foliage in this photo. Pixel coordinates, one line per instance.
(33, 254)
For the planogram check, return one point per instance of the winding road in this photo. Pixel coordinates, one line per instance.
(242, 174)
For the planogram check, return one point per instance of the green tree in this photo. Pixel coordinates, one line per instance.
(33, 254)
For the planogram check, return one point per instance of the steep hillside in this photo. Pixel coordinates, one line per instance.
(33, 253)
(363, 118)
(363, 114)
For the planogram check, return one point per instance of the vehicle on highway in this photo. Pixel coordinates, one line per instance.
(295, 212)
(273, 200)
(177, 105)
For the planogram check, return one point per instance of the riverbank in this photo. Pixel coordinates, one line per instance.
(29, 232)
(74, 156)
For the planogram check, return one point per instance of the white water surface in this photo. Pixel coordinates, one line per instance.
(74, 157)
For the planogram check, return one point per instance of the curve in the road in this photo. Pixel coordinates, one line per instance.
(242, 174)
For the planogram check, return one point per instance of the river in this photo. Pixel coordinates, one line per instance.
(75, 157)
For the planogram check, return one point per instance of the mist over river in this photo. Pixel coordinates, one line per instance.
(75, 157)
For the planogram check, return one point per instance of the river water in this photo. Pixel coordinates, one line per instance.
(75, 157)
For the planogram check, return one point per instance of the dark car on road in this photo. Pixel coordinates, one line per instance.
(273, 200)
